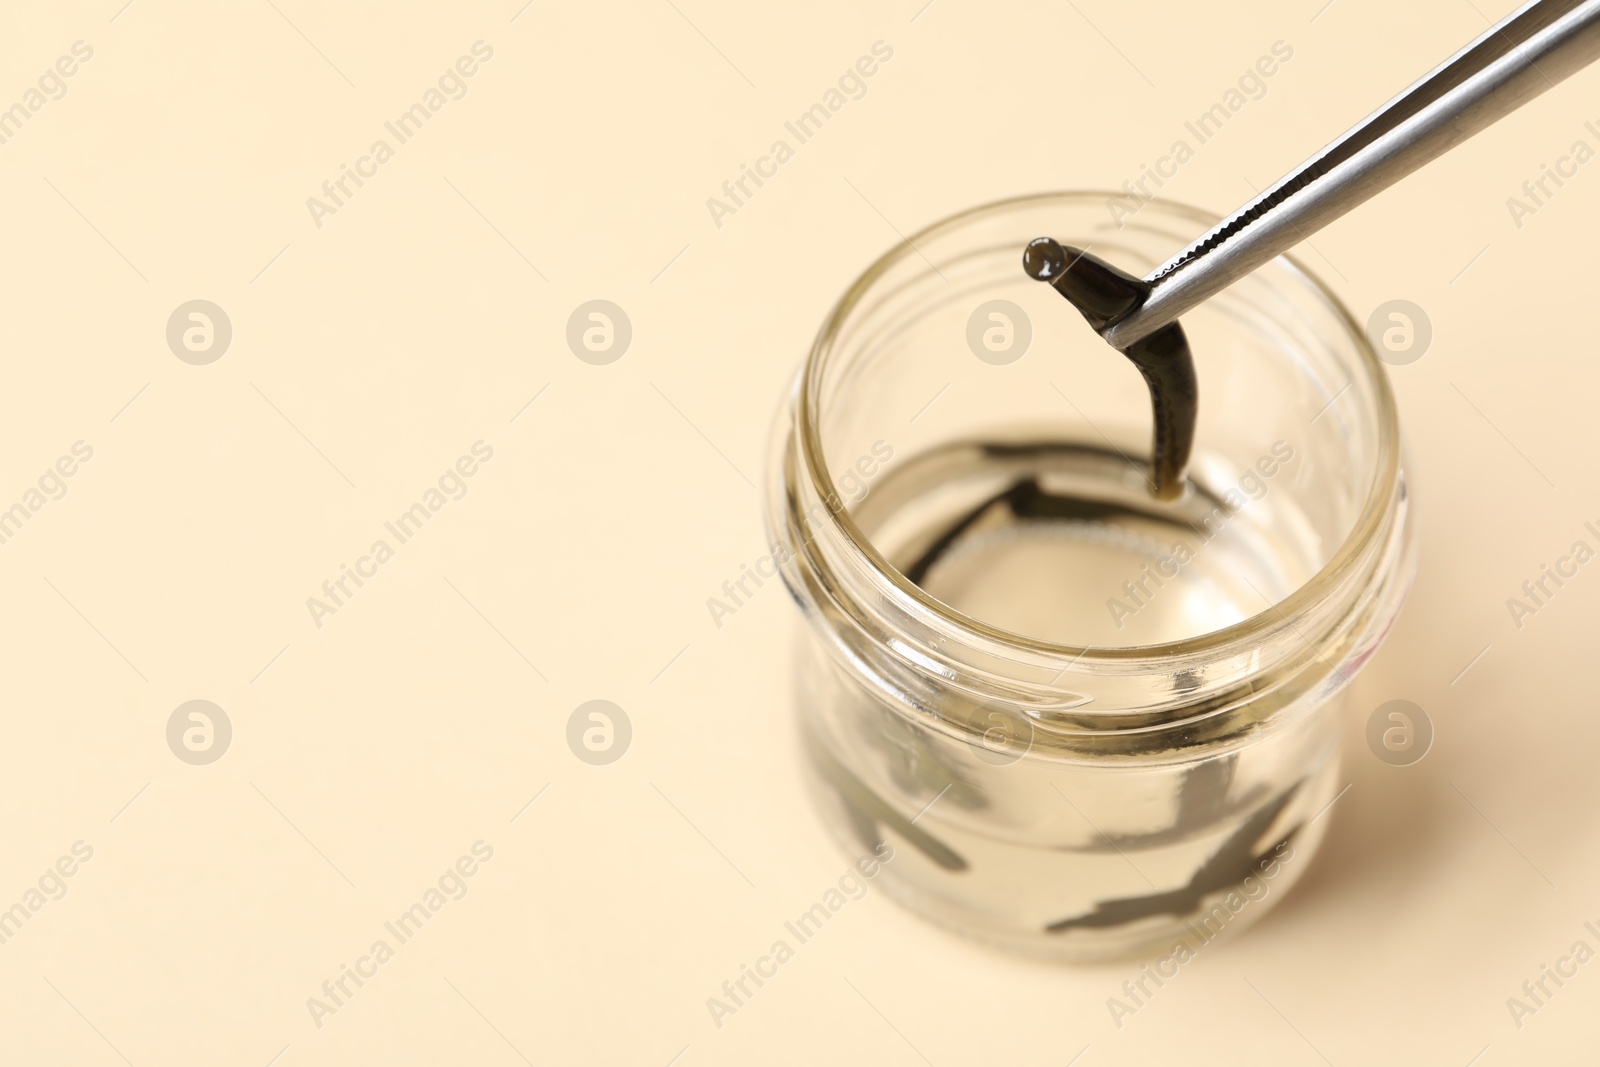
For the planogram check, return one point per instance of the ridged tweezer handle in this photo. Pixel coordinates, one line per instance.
(1531, 50)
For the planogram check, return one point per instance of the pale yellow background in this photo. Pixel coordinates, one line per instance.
(370, 353)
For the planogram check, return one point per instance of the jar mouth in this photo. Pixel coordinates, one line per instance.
(1368, 529)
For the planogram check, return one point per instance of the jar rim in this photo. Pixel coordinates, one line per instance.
(1369, 525)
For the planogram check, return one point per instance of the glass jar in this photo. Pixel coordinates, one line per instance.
(1078, 721)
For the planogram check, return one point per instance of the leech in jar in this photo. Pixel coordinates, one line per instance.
(1104, 295)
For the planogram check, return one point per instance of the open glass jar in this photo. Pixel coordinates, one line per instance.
(1083, 722)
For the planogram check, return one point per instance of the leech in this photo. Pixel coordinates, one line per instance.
(867, 811)
(1104, 295)
(1233, 861)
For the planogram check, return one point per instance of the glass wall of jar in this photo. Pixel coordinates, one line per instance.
(1083, 722)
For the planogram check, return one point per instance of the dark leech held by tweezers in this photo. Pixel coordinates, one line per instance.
(1103, 295)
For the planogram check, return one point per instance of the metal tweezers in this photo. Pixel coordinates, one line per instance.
(1538, 45)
